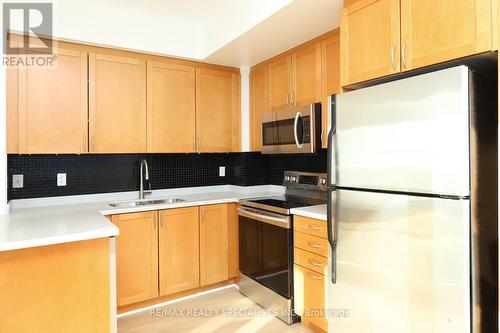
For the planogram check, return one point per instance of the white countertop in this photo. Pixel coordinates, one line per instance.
(315, 212)
(47, 221)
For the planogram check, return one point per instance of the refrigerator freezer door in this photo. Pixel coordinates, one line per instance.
(410, 135)
(402, 264)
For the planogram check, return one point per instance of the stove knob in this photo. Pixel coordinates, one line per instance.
(293, 179)
(287, 178)
(323, 181)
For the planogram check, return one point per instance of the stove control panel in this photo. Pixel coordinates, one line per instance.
(305, 180)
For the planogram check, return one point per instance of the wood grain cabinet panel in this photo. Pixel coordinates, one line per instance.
(117, 106)
(306, 75)
(52, 106)
(12, 106)
(60, 288)
(217, 110)
(233, 241)
(370, 40)
(213, 244)
(330, 80)
(137, 257)
(309, 297)
(170, 108)
(280, 83)
(438, 31)
(258, 104)
(179, 250)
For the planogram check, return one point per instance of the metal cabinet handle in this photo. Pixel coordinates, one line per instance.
(292, 98)
(313, 227)
(315, 263)
(315, 245)
(314, 276)
(393, 57)
(403, 55)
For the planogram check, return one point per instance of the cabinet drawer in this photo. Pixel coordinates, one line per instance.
(310, 226)
(310, 260)
(310, 243)
(310, 291)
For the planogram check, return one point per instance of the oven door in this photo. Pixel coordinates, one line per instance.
(265, 249)
(269, 133)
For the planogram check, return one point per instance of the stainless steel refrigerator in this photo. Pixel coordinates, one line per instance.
(412, 209)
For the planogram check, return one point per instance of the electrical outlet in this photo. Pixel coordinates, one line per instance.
(222, 171)
(61, 179)
(17, 181)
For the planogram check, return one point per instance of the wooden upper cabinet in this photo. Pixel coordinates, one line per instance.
(280, 83)
(370, 40)
(12, 106)
(437, 31)
(258, 104)
(117, 104)
(137, 257)
(170, 108)
(52, 106)
(214, 257)
(217, 110)
(330, 80)
(306, 75)
(179, 250)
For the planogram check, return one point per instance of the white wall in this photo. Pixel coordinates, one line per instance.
(245, 108)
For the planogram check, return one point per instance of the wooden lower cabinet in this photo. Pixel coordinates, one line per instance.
(213, 244)
(56, 288)
(310, 279)
(309, 298)
(137, 257)
(167, 252)
(179, 250)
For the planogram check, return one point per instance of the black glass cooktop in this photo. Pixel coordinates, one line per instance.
(287, 201)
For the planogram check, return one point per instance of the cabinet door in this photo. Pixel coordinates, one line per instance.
(369, 41)
(330, 81)
(117, 107)
(258, 104)
(213, 244)
(306, 75)
(136, 257)
(171, 108)
(233, 241)
(438, 31)
(12, 106)
(280, 81)
(179, 250)
(217, 110)
(309, 297)
(53, 105)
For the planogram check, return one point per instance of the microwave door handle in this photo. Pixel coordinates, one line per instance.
(295, 134)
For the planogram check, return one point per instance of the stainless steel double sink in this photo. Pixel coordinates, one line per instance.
(138, 203)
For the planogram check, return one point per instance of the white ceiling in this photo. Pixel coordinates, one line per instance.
(294, 24)
(230, 32)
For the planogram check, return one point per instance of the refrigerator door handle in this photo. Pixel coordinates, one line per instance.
(332, 137)
(332, 224)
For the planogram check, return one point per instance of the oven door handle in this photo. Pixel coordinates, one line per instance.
(295, 134)
(283, 222)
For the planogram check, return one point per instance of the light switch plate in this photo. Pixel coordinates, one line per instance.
(61, 179)
(222, 171)
(17, 181)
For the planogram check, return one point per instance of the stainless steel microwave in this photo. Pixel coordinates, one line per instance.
(291, 131)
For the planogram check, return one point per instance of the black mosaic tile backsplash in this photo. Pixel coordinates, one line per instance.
(89, 174)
